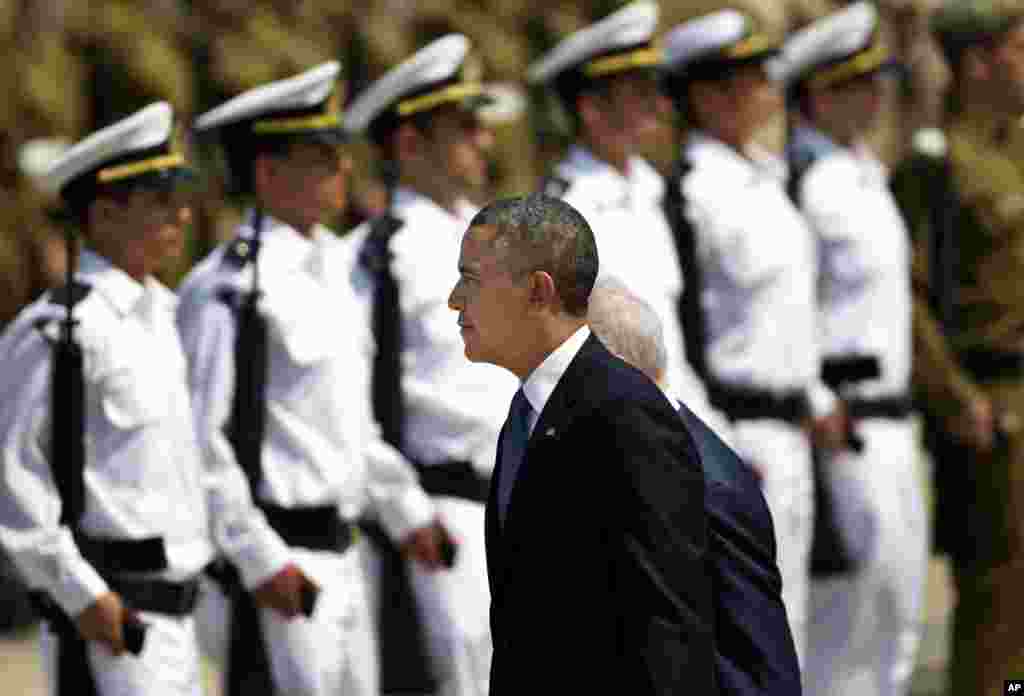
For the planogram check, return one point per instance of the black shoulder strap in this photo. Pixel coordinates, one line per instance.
(67, 410)
(246, 426)
(386, 380)
(691, 313)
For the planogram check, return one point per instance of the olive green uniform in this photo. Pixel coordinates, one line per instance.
(977, 351)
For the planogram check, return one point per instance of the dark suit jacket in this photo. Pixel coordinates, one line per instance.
(598, 577)
(754, 651)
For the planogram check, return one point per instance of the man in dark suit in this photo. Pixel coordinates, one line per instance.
(754, 652)
(596, 532)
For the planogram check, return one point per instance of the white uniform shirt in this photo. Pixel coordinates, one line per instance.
(865, 263)
(759, 268)
(143, 473)
(454, 408)
(321, 446)
(635, 245)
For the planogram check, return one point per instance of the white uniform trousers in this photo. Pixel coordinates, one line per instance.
(332, 653)
(167, 666)
(782, 455)
(865, 628)
(455, 604)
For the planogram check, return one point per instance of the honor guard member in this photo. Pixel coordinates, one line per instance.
(282, 402)
(604, 76)
(104, 509)
(865, 618)
(443, 412)
(963, 198)
(750, 272)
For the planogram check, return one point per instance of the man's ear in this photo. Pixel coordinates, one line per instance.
(976, 64)
(102, 210)
(588, 108)
(406, 141)
(263, 170)
(543, 293)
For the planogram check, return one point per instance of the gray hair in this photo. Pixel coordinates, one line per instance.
(547, 234)
(628, 327)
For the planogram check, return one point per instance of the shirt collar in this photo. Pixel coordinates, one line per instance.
(122, 291)
(541, 383)
(286, 248)
(860, 153)
(756, 163)
(581, 159)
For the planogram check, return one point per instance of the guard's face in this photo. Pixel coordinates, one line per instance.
(755, 98)
(459, 142)
(492, 301)
(630, 104)
(151, 224)
(310, 182)
(1007, 60)
(857, 104)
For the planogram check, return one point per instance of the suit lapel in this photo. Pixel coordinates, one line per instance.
(558, 413)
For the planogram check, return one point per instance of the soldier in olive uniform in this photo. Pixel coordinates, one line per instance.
(963, 196)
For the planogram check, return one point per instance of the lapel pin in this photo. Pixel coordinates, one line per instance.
(550, 432)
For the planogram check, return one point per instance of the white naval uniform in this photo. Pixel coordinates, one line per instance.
(321, 446)
(865, 628)
(758, 268)
(142, 475)
(454, 410)
(635, 245)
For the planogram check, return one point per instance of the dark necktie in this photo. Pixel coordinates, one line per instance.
(513, 448)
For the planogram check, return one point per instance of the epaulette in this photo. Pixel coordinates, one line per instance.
(78, 292)
(240, 253)
(554, 185)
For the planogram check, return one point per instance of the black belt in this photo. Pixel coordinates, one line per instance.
(849, 369)
(454, 479)
(984, 364)
(114, 556)
(741, 403)
(158, 596)
(889, 407)
(318, 528)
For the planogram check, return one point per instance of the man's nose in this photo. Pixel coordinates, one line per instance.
(454, 303)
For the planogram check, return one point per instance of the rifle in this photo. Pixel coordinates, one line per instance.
(247, 425)
(67, 437)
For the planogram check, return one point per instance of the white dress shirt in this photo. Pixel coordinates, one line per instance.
(321, 445)
(635, 246)
(454, 408)
(865, 262)
(540, 384)
(143, 474)
(759, 267)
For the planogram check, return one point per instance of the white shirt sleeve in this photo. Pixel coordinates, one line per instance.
(240, 529)
(30, 530)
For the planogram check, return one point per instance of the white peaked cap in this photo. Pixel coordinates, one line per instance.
(834, 37)
(140, 132)
(632, 25)
(437, 62)
(304, 91)
(698, 38)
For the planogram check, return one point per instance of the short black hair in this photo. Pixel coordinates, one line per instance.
(547, 234)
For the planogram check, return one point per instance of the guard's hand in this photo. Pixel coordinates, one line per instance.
(424, 545)
(831, 432)
(975, 425)
(102, 621)
(283, 591)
